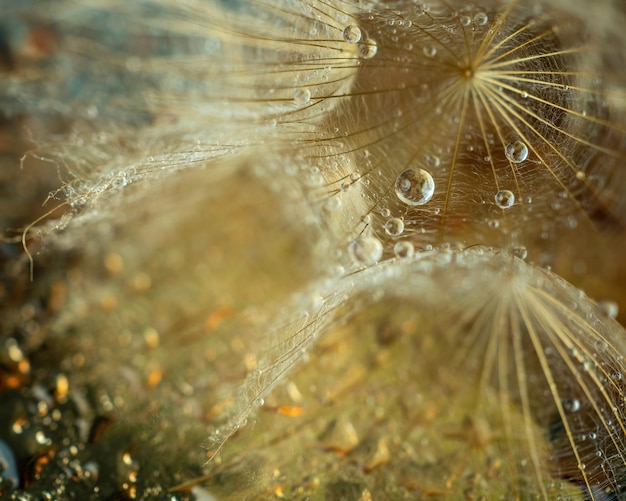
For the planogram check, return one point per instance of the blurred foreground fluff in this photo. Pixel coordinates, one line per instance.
(313, 250)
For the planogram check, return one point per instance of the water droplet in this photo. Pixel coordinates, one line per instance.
(301, 95)
(433, 160)
(332, 203)
(367, 49)
(366, 250)
(481, 19)
(394, 226)
(572, 405)
(403, 249)
(608, 308)
(516, 152)
(352, 34)
(601, 345)
(429, 50)
(524, 95)
(505, 199)
(465, 20)
(415, 187)
(520, 252)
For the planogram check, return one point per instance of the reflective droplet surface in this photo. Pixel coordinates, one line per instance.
(394, 226)
(415, 186)
(302, 95)
(505, 199)
(609, 309)
(572, 405)
(430, 50)
(403, 249)
(520, 252)
(352, 34)
(332, 203)
(366, 250)
(516, 152)
(368, 49)
(433, 160)
(481, 19)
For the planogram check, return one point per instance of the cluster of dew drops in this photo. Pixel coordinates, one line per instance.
(415, 186)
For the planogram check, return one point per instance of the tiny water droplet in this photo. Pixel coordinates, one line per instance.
(415, 187)
(433, 160)
(367, 49)
(505, 199)
(332, 203)
(429, 50)
(481, 19)
(601, 345)
(516, 152)
(465, 20)
(403, 249)
(520, 252)
(366, 250)
(301, 95)
(608, 308)
(394, 226)
(572, 405)
(352, 34)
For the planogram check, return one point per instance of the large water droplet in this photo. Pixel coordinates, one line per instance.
(394, 226)
(505, 199)
(516, 152)
(366, 250)
(352, 34)
(415, 187)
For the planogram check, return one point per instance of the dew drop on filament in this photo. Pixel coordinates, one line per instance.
(394, 226)
(415, 187)
(505, 199)
(367, 49)
(366, 250)
(430, 50)
(516, 152)
(352, 34)
(301, 96)
(403, 249)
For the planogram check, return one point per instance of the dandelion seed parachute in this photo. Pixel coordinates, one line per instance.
(510, 329)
